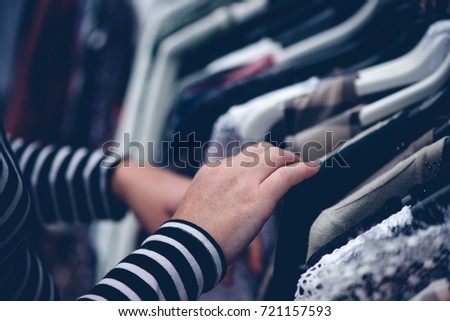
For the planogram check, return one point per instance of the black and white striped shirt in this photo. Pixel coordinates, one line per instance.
(179, 262)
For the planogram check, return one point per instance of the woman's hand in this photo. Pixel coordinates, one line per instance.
(153, 194)
(232, 198)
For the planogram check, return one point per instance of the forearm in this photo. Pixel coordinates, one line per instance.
(68, 185)
(179, 262)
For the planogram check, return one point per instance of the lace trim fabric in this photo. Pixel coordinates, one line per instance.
(394, 260)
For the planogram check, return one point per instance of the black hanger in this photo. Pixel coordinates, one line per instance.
(442, 131)
(434, 209)
(332, 14)
(277, 20)
(447, 149)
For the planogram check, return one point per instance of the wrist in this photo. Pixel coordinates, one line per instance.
(199, 241)
(120, 179)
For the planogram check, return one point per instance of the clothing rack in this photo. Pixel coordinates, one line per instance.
(373, 73)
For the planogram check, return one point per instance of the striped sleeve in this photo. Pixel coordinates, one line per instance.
(68, 185)
(179, 262)
(14, 202)
(22, 276)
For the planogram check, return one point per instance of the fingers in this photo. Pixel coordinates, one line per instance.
(255, 256)
(266, 158)
(282, 179)
(232, 200)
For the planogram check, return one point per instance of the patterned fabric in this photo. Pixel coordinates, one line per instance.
(394, 260)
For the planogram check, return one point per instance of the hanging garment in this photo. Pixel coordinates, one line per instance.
(11, 21)
(384, 211)
(106, 41)
(227, 129)
(42, 76)
(415, 170)
(197, 84)
(297, 22)
(328, 100)
(339, 175)
(282, 26)
(209, 107)
(244, 72)
(326, 137)
(202, 84)
(426, 139)
(392, 261)
(312, 18)
(241, 57)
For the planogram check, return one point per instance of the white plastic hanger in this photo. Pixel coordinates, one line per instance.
(332, 37)
(416, 65)
(244, 56)
(406, 97)
(410, 68)
(160, 90)
(263, 119)
(268, 109)
(142, 65)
